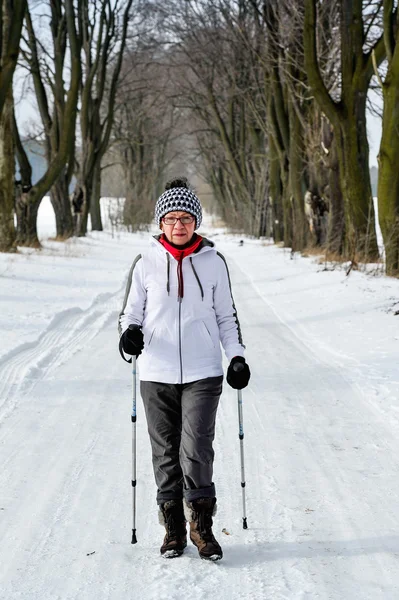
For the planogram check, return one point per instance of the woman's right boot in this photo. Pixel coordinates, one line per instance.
(171, 515)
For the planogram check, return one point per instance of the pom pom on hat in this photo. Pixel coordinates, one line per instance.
(178, 196)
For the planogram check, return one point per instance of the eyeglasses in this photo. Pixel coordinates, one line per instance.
(186, 220)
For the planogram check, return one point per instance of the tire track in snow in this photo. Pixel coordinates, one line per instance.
(40, 549)
(29, 363)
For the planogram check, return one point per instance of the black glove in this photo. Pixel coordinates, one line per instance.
(238, 373)
(132, 341)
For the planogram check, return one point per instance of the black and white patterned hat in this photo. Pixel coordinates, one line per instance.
(178, 198)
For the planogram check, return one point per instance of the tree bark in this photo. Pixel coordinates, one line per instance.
(353, 157)
(279, 132)
(7, 174)
(388, 179)
(296, 180)
(11, 19)
(59, 196)
(287, 205)
(336, 222)
(87, 188)
(275, 193)
(95, 208)
(388, 171)
(27, 222)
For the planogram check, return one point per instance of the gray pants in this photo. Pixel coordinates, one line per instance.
(181, 424)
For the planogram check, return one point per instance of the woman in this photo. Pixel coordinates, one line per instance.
(179, 295)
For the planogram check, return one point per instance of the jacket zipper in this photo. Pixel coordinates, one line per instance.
(180, 355)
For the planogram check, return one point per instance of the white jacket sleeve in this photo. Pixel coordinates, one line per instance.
(135, 297)
(226, 313)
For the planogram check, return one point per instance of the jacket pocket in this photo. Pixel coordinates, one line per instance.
(151, 336)
(207, 335)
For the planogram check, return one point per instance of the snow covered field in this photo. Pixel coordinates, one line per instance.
(321, 423)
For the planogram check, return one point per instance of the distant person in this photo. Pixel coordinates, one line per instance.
(179, 293)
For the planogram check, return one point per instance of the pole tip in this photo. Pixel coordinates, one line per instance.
(134, 539)
(244, 523)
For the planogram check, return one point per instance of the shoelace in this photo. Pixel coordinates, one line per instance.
(171, 526)
(205, 526)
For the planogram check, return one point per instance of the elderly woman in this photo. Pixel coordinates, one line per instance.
(179, 295)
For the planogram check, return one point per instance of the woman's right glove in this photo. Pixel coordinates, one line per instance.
(238, 373)
(132, 340)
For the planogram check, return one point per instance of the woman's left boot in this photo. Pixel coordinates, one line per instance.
(199, 514)
(171, 515)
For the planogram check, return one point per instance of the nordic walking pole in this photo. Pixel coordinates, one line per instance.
(134, 419)
(238, 367)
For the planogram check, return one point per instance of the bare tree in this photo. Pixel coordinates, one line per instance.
(58, 109)
(287, 112)
(146, 128)
(103, 31)
(11, 19)
(347, 114)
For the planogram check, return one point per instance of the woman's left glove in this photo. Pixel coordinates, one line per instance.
(132, 340)
(238, 373)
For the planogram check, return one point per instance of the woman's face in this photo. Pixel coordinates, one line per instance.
(178, 233)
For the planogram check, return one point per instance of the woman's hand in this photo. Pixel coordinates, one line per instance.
(238, 373)
(132, 340)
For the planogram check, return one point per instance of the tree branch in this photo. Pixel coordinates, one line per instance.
(323, 98)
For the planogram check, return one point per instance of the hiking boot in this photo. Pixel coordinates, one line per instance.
(199, 513)
(171, 515)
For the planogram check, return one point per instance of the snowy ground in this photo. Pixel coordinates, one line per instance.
(321, 420)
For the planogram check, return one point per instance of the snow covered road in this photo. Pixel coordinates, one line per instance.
(321, 423)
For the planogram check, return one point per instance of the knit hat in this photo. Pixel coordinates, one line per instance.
(177, 196)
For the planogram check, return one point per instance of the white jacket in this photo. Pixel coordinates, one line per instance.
(181, 336)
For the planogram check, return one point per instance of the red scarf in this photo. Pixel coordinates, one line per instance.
(179, 255)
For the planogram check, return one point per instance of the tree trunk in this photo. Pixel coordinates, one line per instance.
(336, 223)
(287, 205)
(27, 222)
(87, 194)
(265, 229)
(7, 175)
(353, 156)
(59, 197)
(388, 171)
(130, 209)
(11, 20)
(95, 209)
(296, 181)
(275, 193)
